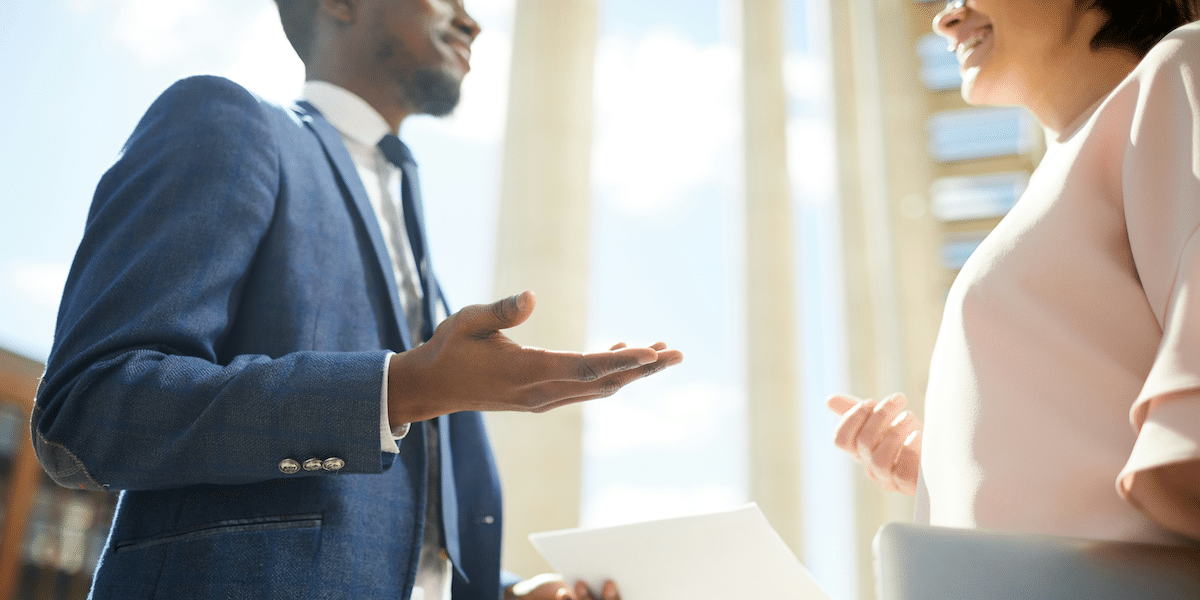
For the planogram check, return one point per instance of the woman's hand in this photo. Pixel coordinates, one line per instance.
(883, 436)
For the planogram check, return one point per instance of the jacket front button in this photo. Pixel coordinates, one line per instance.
(289, 466)
(312, 464)
(333, 464)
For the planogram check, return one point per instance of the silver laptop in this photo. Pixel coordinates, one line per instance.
(919, 562)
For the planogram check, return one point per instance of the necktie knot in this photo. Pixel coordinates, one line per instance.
(395, 151)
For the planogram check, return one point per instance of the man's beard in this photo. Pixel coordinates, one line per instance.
(427, 90)
(432, 92)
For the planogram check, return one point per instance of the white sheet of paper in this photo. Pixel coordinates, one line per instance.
(714, 556)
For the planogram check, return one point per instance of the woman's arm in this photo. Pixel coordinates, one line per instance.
(1170, 495)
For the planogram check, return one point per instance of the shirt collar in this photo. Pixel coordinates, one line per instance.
(348, 113)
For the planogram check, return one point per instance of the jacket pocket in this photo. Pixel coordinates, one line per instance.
(274, 523)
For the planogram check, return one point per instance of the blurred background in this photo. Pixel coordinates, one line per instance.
(782, 189)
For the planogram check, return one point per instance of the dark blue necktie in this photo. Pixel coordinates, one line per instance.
(410, 197)
(414, 222)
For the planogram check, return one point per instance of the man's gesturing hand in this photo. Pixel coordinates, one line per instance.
(469, 364)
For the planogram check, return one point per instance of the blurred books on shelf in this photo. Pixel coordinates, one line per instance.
(50, 537)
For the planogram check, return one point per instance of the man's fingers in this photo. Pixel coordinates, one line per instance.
(668, 358)
(582, 592)
(535, 366)
(610, 591)
(592, 367)
(562, 393)
(597, 366)
(547, 586)
(654, 346)
(558, 394)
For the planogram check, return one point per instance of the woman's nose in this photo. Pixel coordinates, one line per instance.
(945, 22)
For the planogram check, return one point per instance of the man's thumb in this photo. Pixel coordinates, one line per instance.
(513, 310)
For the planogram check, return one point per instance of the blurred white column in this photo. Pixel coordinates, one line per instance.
(543, 246)
(773, 359)
(894, 282)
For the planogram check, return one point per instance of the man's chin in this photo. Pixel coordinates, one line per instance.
(435, 92)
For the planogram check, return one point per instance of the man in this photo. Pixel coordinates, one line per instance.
(222, 352)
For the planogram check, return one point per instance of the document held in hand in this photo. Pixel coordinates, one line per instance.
(715, 556)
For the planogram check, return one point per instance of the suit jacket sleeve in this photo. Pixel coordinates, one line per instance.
(140, 390)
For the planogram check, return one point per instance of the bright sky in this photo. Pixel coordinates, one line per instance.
(667, 224)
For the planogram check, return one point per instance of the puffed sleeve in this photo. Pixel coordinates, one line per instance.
(1161, 186)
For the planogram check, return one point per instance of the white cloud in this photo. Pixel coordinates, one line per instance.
(492, 15)
(625, 503)
(154, 30)
(83, 7)
(480, 114)
(666, 114)
(265, 63)
(812, 159)
(807, 78)
(679, 417)
(812, 154)
(35, 283)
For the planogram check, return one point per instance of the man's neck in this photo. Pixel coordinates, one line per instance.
(383, 102)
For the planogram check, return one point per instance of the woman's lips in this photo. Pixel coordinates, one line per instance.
(966, 47)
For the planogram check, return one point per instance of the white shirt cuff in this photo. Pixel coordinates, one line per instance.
(388, 434)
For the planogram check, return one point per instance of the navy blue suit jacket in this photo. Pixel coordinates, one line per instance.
(230, 307)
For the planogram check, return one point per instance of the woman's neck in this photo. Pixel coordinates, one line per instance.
(1084, 80)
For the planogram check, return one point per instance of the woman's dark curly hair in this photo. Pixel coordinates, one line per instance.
(1139, 24)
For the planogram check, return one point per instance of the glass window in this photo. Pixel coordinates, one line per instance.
(939, 66)
(979, 133)
(976, 196)
(957, 248)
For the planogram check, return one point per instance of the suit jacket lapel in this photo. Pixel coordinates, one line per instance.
(339, 157)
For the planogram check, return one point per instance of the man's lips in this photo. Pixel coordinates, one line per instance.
(461, 48)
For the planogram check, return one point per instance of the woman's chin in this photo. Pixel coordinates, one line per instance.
(976, 92)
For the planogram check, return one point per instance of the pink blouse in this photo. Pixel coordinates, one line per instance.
(1073, 315)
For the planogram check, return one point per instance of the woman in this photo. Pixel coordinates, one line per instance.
(1064, 393)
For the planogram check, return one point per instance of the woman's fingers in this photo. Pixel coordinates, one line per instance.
(881, 461)
(908, 464)
(878, 425)
(847, 432)
(881, 435)
(841, 403)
